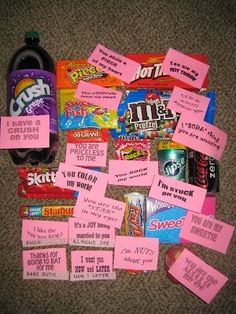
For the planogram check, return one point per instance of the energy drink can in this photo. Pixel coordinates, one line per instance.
(172, 158)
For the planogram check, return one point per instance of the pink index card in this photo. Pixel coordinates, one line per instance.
(182, 100)
(132, 173)
(45, 264)
(43, 232)
(199, 277)
(178, 193)
(81, 179)
(207, 231)
(200, 136)
(136, 253)
(103, 210)
(98, 95)
(87, 154)
(90, 233)
(24, 132)
(208, 209)
(92, 265)
(113, 63)
(184, 68)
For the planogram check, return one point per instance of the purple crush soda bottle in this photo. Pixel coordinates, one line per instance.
(31, 90)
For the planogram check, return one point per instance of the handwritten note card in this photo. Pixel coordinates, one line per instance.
(81, 179)
(98, 95)
(90, 233)
(200, 136)
(197, 276)
(178, 193)
(92, 265)
(45, 264)
(113, 63)
(24, 132)
(104, 210)
(44, 232)
(206, 231)
(87, 154)
(132, 173)
(184, 68)
(182, 100)
(136, 253)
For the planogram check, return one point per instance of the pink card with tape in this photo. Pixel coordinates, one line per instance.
(24, 132)
(90, 233)
(136, 253)
(87, 154)
(199, 277)
(92, 265)
(113, 63)
(178, 193)
(200, 136)
(132, 173)
(98, 95)
(43, 232)
(182, 100)
(45, 264)
(206, 231)
(93, 207)
(184, 68)
(81, 179)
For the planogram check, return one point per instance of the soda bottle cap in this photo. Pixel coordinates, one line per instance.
(32, 34)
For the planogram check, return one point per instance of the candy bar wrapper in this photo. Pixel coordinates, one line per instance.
(133, 149)
(134, 218)
(38, 211)
(39, 183)
(134, 214)
(77, 114)
(143, 114)
(150, 75)
(164, 221)
(70, 72)
(88, 135)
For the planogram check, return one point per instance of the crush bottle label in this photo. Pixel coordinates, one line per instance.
(32, 92)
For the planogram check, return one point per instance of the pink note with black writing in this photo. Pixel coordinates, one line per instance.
(178, 193)
(199, 277)
(98, 95)
(81, 179)
(200, 136)
(92, 265)
(100, 209)
(113, 63)
(185, 68)
(207, 231)
(45, 264)
(182, 100)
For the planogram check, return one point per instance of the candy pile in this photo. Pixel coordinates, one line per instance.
(142, 116)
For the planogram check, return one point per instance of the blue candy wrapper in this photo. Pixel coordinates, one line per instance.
(143, 114)
(163, 221)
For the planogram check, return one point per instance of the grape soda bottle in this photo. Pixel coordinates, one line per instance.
(31, 90)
